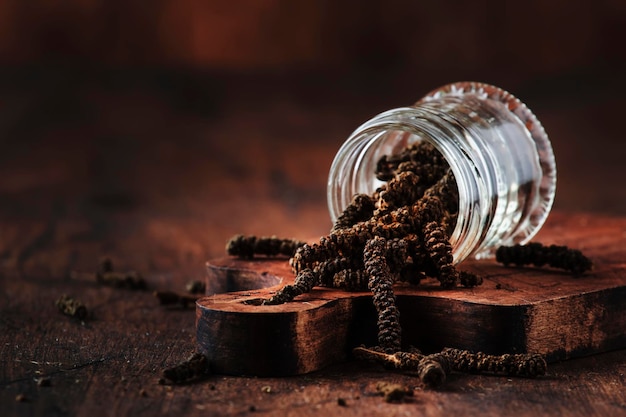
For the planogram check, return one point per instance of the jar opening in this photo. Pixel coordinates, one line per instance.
(384, 144)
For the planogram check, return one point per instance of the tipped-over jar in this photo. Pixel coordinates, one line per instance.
(498, 151)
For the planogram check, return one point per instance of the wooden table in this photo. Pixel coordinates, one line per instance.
(158, 178)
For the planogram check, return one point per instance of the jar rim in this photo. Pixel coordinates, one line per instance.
(538, 134)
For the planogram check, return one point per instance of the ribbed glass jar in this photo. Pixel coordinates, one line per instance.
(499, 153)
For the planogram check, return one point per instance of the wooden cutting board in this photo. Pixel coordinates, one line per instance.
(515, 310)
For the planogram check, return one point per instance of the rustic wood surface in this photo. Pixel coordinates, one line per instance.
(158, 172)
(515, 310)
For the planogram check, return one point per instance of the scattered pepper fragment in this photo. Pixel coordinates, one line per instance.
(71, 307)
(105, 275)
(393, 392)
(195, 367)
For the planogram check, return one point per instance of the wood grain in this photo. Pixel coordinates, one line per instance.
(158, 170)
(515, 310)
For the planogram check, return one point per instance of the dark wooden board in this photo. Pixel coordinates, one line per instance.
(515, 310)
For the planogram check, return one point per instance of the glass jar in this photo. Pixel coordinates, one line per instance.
(498, 151)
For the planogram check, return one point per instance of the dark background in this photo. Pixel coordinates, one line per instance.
(151, 131)
(223, 117)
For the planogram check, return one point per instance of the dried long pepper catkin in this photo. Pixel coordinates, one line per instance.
(327, 270)
(432, 369)
(351, 280)
(537, 254)
(381, 285)
(248, 246)
(360, 209)
(420, 154)
(440, 251)
(524, 364)
(404, 189)
(304, 282)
